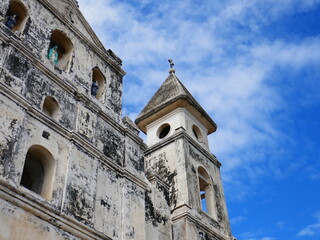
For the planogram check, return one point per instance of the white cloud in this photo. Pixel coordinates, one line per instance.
(229, 77)
(255, 235)
(310, 230)
(237, 219)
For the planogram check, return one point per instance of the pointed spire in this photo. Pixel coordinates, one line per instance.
(172, 94)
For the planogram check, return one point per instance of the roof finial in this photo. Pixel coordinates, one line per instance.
(171, 70)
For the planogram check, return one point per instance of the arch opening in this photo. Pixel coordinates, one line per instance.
(206, 193)
(38, 171)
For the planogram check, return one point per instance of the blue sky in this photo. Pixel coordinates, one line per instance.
(255, 68)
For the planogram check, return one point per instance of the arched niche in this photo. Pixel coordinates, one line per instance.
(38, 171)
(50, 107)
(98, 79)
(60, 50)
(20, 11)
(206, 193)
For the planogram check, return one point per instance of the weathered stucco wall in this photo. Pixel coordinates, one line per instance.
(15, 223)
(90, 188)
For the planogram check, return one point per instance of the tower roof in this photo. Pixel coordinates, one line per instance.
(173, 94)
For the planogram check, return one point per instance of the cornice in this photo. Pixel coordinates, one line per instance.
(199, 224)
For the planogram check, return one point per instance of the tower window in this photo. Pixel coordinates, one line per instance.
(16, 16)
(50, 107)
(38, 171)
(60, 50)
(197, 133)
(206, 193)
(98, 86)
(163, 131)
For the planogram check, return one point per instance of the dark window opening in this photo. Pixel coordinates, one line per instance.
(33, 173)
(164, 131)
(38, 171)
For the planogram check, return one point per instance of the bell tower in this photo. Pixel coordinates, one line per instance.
(178, 157)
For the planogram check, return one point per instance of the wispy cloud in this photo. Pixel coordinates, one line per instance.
(312, 229)
(225, 61)
(237, 219)
(255, 235)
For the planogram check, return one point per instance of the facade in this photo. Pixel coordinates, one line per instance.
(70, 166)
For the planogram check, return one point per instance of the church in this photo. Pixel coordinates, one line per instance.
(71, 166)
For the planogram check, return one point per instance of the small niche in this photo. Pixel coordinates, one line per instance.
(98, 86)
(16, 16)
(60, 50)
(50, 107)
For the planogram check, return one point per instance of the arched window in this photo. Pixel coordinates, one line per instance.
(60, 50)
(50, 107)
(98, 83)
(38, 171)
(206, 193)
(16, 16)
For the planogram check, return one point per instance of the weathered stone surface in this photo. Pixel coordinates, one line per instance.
(17, 223)
(10, 129)
(81, 185)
